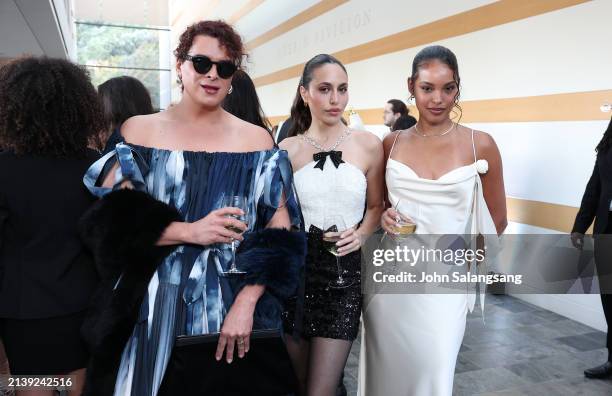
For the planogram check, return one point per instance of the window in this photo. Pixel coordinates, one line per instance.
(114, 50)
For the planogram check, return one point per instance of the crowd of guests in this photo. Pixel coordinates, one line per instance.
(119, 224)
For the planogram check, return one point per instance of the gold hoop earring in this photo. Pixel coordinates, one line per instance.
(454, 114)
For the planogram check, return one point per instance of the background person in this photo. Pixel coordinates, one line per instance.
(394, 109)
(49, 113)
(404, 122)
(596, 205)
(122, 97)
(243, 102)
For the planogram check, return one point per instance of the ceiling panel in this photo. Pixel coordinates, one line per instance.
(134, 12)
(270, 14)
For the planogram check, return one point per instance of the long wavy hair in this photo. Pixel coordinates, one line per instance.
(300, 114)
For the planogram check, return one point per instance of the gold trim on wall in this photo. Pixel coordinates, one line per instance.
(308, 14)
(574, 106)
(244, 10)
(543, 214)
(491, 15)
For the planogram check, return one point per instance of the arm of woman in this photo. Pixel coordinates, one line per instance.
(352, 240)
(388, 219)
(588, 208)
(493, 181)
(588, 205)
(238, 324)
(212, 228)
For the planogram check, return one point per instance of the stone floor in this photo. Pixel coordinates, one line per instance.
(522, 350)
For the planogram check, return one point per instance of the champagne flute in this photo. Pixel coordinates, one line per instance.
(335, 223)
(240, 202)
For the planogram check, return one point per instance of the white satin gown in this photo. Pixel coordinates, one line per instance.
(410, 342)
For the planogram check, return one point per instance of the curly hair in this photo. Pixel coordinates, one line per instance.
(227, 36)
(48, 107)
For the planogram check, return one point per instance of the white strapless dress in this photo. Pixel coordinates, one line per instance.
(410, 342)
(331, 191)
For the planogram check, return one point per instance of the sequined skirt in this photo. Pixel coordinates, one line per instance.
(327, 312)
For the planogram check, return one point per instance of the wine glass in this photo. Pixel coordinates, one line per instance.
(336, 225)
(404, 223)
(240, 202)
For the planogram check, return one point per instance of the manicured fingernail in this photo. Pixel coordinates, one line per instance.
(229, 360)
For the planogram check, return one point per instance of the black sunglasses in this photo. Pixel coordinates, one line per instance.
(202, 64)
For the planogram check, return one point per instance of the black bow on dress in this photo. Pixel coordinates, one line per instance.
(336, 157)
(313, 229)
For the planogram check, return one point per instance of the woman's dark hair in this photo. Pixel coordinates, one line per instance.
(123, 97)
(300, 114)
(243, 101)
(397, 106)
(443, 55)
(606, 140)
(403, 122)
(48, 107)
(227, 36)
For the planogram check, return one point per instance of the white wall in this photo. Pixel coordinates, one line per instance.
(558, 52)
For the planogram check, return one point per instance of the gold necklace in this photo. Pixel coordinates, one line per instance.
(416, 130)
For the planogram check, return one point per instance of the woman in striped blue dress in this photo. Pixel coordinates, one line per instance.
(189, 157)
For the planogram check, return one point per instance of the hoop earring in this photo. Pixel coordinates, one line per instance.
(454, 114)
(230, 90)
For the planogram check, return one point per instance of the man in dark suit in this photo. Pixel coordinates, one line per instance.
(596, 204)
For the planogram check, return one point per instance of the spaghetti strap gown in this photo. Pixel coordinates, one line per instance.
(411, 341)
(188, 295)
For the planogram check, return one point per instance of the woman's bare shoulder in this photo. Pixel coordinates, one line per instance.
(137, 129)
(255, 138)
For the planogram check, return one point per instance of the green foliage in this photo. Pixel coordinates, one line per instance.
(124, 48)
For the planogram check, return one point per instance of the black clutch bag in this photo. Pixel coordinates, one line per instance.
(265, 370)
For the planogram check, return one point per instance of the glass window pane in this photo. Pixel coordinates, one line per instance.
(152, 79)
(110, 51)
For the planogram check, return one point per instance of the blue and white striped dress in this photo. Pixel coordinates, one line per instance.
(186, 295)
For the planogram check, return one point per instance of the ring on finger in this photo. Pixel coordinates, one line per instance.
(240, 341)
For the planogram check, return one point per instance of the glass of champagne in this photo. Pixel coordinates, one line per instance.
(240, 202)
(404, 225)
(330, 238)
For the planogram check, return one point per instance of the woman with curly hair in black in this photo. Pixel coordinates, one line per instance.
(49, 114)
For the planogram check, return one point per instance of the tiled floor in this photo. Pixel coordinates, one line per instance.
(522, 350)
